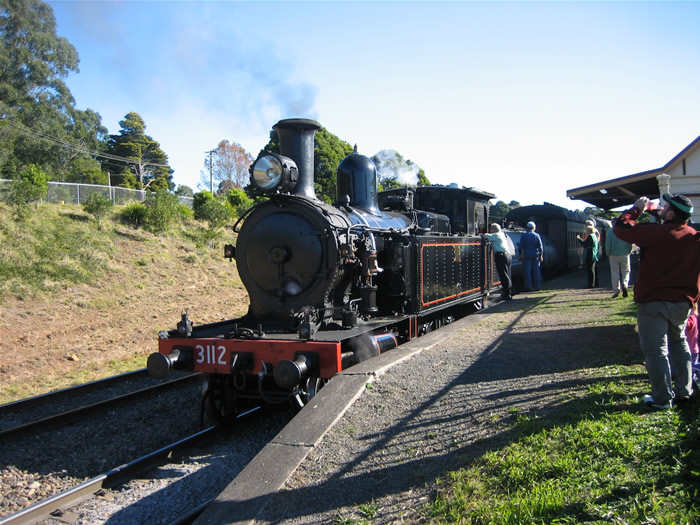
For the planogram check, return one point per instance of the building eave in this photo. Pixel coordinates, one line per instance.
(624, 191)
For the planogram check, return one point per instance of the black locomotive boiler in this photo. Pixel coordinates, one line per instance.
(332, 285)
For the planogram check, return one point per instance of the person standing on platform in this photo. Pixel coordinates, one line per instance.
(619, 256)
(503, 259)
(531, 255)
(596, 232)
(590, 253)
(667, 286)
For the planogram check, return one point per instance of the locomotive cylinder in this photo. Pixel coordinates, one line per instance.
(297, 142)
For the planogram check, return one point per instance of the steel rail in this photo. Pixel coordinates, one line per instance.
(71, 415)
(67, 392)
(56, 504)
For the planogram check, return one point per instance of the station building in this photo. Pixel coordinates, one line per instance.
(679, 175)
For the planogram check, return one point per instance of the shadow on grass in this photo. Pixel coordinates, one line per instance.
(563, 361)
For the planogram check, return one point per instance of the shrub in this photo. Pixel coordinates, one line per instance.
(133, 213)
(98, 205)
(198, 202)
(217, 213)
(185, 212)
(239, 201)
(163, 208)
(29, 185)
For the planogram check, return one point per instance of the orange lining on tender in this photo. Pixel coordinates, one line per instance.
(423, 303)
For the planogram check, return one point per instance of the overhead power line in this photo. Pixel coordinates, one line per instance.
(80, 149)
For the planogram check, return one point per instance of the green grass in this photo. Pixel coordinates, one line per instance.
(605, 459)
(50, 249)
(59, 246)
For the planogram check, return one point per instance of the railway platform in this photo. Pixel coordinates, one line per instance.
(381, 432)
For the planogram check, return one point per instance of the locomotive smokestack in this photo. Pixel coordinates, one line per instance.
(297, 142)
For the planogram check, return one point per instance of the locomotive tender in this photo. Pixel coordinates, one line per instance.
(332, 285)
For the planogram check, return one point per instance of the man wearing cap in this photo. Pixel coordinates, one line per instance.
(667, 285)
(530, 251)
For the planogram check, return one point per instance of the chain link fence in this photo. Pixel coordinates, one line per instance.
(74, 193)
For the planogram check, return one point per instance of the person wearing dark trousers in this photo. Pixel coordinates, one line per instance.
(595, 232)
(502, 258)
(590, 253)
(531, 252)
(668, 283)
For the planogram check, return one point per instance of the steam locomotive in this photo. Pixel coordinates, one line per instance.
(332, 285)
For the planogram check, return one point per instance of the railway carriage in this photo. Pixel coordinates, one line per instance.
(558, 228)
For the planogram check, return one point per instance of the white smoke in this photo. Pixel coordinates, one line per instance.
(391, 165)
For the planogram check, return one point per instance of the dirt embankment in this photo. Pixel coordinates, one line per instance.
(85, 332)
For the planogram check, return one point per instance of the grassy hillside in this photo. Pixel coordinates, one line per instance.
(83, 300)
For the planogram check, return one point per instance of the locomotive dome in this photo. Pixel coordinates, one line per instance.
(357, 179)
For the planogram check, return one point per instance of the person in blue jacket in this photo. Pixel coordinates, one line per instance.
(531, 255)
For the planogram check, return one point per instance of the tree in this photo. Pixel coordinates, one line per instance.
(38, 121)
(422, 179)
(85, 171)
(87, 134)
(184, 191)
(228, 165)
(329, 150)
(396, 172)
(594, 211)
(498, 212)
(162, 210)
(28, 186)
(198, 203)
(148, 167)
(239, 201)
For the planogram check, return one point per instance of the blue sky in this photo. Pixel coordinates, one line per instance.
(521, 99)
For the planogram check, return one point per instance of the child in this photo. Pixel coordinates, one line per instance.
(691, 335)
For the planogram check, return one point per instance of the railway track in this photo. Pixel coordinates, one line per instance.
(45, 411)
(60, 449)
(58, 506)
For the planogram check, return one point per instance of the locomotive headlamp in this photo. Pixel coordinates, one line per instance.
(272, 172)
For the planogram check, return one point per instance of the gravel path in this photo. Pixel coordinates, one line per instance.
(452, 403)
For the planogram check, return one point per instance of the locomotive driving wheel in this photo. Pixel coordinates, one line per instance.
(218, 400)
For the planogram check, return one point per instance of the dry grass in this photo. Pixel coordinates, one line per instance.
(82, 301)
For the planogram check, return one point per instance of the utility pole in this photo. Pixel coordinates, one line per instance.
(211, 171)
